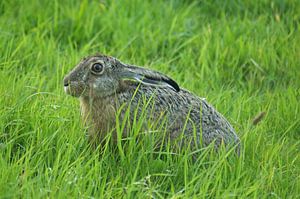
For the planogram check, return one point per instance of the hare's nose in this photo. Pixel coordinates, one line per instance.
(66, 82)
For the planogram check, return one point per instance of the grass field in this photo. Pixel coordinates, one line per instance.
(243, 56)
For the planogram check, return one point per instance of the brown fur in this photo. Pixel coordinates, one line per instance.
(189, 119)
(99, 115)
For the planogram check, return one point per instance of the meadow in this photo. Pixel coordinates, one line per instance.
(242, 56)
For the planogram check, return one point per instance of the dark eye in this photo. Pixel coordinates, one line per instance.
(97, 68)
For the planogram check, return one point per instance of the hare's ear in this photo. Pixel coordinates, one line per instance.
(148, 77)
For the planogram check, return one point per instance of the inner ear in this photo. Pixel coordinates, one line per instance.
(170, 82)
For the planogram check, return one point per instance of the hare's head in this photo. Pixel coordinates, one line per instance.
(103, 76)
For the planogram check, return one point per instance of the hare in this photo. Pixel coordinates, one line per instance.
(103, 83)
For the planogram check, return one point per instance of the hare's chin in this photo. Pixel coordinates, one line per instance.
(71, 92)
(66, 89)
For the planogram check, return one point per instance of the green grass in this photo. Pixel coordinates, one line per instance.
(243, 56)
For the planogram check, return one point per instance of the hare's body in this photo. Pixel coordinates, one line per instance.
(188, 118)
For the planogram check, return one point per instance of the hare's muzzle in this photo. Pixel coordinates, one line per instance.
(74, 88)
(66, 86)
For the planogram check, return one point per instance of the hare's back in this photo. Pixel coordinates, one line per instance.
(189, 113)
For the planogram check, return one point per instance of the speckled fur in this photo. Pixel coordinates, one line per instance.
(116, 87)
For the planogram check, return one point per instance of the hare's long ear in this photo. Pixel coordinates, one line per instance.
(149, 77)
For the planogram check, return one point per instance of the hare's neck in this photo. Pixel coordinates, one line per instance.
(98, 113)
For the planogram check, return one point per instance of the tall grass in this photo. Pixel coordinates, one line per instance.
(243, 56)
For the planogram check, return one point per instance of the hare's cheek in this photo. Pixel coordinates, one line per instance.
(101, 84)
(102, 87)
(81, 89)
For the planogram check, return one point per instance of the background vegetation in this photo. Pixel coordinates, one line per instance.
(243, 56)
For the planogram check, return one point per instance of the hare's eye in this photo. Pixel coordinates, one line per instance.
(97, 68)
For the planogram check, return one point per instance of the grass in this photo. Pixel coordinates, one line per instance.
(242, 56)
